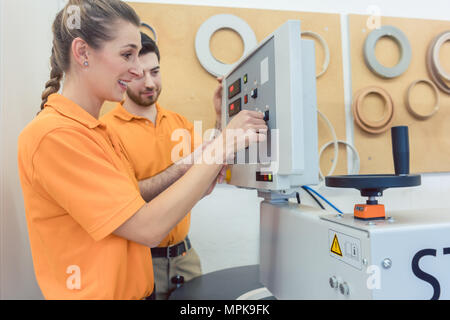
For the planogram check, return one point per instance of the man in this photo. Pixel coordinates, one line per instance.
(145, 130)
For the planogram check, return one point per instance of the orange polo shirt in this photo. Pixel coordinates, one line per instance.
(78, 188)
(149, 147)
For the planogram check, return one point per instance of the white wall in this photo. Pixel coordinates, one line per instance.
(432, 9)
(224, 225)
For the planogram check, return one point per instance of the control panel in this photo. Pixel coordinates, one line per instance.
(277, 78)
(252, 88)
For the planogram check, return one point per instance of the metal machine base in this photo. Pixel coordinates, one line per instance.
(306, 253)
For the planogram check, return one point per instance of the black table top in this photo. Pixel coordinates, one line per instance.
(227, 284)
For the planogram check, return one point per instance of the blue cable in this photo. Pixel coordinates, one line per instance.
(323, 198)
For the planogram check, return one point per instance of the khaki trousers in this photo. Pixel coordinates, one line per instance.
(165, 269)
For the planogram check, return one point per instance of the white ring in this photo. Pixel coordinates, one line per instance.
(155, 35)
(324, 44)
(206, 31)
(355, 152)
(336, 150)
(405, 52)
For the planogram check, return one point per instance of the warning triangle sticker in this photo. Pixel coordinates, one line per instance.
(335, 248)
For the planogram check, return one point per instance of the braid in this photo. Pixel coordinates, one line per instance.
(54, 84)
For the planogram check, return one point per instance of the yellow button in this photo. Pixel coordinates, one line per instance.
(228, 176)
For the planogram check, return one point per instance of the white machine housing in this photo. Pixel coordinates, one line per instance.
(406, 256)
(282, 70)
(308, 253)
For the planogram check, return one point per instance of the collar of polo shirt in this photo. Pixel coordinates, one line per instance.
(70, 109)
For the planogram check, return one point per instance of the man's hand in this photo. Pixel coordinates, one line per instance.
(219, 179)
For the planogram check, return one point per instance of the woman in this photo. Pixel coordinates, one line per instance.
(90, 230)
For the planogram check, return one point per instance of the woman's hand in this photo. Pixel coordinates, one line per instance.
(248, 120)
(246, 128)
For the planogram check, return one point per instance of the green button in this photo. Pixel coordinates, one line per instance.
(245, 79)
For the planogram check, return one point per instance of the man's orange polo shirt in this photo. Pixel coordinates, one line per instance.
(149, 148)
(78, 188)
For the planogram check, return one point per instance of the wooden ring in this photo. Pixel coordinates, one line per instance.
(431, 67)
(369, 126)
(408, 98)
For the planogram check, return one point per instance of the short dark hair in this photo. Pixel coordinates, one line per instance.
(148, 45)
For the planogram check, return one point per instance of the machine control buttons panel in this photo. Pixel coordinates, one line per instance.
(345, 248)
(244, 89)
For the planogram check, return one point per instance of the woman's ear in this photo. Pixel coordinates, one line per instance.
(80, 52)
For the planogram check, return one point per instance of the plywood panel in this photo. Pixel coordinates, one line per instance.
(429, 139)
(188, 88)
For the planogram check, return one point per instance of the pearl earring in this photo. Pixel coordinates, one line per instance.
(86, 64)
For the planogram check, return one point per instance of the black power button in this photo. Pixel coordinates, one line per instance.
(254, 93)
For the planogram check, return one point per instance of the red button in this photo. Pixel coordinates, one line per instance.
(232, 88)
(246, 99)
(265, 178)
(232, 107)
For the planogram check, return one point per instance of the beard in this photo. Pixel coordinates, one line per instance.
(143, 101)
